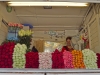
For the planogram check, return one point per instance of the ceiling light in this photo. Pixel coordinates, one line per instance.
(46, 4)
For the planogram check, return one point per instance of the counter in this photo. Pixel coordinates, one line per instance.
(49, 72)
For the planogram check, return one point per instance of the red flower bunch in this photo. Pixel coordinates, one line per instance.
(6, 51)
(57, 60)
(98, 60)
(32, 60)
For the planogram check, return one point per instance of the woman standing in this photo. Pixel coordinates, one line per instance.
(68, 47)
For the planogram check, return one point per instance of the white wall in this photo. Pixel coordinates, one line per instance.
(9, 17)
(92, 23)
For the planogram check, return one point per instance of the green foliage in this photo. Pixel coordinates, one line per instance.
(25, 40)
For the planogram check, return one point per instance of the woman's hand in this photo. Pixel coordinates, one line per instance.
(70, 47)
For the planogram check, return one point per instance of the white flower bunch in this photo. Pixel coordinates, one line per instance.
(25, 32)
(19, 58)
(90, 59)
(45, 60)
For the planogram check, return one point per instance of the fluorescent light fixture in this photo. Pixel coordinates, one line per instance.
(46, 4)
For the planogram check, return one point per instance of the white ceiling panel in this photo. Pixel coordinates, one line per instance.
(53, 29)
(57, 16)
(28, 20)
(58, 11)
(25, 10)
(51, 21)
(58, 21)
(53, 11)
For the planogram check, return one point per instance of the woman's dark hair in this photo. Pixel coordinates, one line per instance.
(34, 49)
(68, 38)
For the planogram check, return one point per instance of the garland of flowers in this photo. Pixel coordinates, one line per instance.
(78, 59)
(19, 56)
(90, 59)
(57, 60)
(67, 56)
(32, 60)
(45, 61)
(6, 51)
(98, 59)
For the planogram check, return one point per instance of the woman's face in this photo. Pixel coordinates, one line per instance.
(68, 41)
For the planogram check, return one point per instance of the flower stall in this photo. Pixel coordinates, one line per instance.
(16, 55)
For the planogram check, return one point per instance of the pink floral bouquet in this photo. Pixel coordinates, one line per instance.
(67, 56)
(16, 25)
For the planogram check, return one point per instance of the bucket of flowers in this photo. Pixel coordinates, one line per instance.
(13, 29)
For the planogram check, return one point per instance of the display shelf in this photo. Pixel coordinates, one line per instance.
(7, 70)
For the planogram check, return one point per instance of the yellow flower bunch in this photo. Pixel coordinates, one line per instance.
(25, 33)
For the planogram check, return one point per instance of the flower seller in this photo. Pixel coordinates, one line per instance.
(68, 47)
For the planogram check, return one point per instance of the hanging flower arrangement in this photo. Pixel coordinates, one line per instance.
(19, 60)
(32, 60)
(67, 56)
(45, 60)
(90, 59)
(6, 51)
(78, 59)
(57, 60)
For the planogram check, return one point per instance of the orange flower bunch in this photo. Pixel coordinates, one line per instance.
(78, 59)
